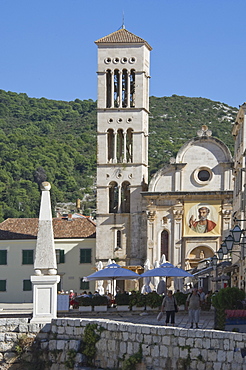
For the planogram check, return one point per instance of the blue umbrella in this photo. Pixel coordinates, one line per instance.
(167, 269)
(114, 272)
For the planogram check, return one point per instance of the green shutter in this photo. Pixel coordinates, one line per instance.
(27, 257)
(62, 256)
(27, 285)
(3, 285)
(85, 255)
(3, 257)
(84, 285)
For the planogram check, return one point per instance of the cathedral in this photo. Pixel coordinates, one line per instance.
(184, 212)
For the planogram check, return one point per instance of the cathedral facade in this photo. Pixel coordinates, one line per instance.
(185, 210)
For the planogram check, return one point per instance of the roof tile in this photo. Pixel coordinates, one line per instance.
(27, 228)
(123, 36)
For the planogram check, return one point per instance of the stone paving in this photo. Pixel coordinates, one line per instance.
(144, 317)
(181, 318)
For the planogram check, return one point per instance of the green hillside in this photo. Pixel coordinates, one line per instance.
(51, 140)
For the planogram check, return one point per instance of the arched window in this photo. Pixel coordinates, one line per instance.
(164, 244)
(124, 88)
(108, 88)
(125, 197)
(129, 145)
(113, 197)
(110, 133)
(120, 146)
(116, 88)
(132, 88)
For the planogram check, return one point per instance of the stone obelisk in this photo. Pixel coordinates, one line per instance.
(45, 279)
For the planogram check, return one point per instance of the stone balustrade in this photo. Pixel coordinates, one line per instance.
(58, 345)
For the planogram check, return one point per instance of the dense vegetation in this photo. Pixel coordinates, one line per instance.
(43, 139)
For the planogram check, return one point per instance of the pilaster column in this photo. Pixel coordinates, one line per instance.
(124, 137)
(115, 147)
(178, 211)
(128, 89)
(119, 198)
(112, 89)
(120, 89)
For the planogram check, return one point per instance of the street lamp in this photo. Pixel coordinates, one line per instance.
(237, 237)
(236, 234)
(220, 253)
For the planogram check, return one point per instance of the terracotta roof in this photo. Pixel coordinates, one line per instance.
(27, 228)
(122, 36)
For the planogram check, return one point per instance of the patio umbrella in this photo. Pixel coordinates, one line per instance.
(166, 270)
(155, 279)
(100, 287)
(112, 272)
(146, 288)
(110, 288)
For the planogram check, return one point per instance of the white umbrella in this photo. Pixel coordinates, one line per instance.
(155, 279)
(163, 259)
(110, 288)
(100, 287)
(146, 288)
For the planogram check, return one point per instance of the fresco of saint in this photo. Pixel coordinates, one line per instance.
(203, 224)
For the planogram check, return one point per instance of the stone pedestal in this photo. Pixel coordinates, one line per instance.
(44, 298)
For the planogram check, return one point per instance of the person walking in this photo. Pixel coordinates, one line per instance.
(193, 304)
(169, 303)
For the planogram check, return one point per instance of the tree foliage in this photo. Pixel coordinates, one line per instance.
(51, 140)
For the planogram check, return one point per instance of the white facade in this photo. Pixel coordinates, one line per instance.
(200, 176)
(71, 271)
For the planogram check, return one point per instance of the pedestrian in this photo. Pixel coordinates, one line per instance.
(169, 303)
(202, 297)
(193, 304)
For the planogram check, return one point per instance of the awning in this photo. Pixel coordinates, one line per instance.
(203, 272)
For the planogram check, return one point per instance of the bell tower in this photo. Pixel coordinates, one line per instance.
(122, 145)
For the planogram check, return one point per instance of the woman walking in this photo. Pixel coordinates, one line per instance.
(169, 303)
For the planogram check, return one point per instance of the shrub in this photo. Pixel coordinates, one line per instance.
(122, 299)
(137, 299)
(227, 298)
(181, 298)
(99, 300)
(153, 300)
(84, 301)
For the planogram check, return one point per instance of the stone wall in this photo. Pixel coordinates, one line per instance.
(58, 346)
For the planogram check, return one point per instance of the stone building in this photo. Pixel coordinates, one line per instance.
(122, 154)
(239, 198)
(185, 210)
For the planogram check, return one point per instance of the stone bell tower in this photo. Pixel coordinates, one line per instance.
(122, 139)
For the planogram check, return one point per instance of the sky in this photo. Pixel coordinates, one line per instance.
(47, 46)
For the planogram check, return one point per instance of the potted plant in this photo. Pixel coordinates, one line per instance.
(122, 301)
(153, 301)
(100, 302)
(137, 301)
(85, 304)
